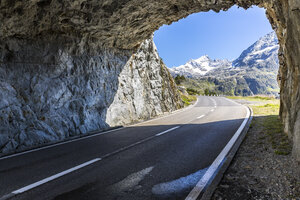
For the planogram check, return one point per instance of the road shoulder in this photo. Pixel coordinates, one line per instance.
(259, 170)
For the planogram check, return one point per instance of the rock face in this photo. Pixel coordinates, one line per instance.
(285, 18)
(49, 95)
(262, 54)
(146, 88)
(82, 27)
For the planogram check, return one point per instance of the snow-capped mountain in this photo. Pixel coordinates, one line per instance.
(199, 67)
(262, 54)
(253, 72)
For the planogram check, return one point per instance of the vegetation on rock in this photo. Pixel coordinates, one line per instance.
(188, 99)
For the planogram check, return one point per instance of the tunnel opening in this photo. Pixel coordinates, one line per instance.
(69, 40)
(233, 52)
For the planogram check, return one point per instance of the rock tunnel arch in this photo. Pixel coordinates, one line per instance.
(37, 36)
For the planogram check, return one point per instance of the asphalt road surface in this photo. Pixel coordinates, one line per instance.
(159, 159)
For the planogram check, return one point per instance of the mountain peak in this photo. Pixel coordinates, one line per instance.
(202, 58)
(254, 72)
(261, 54)
(200, 66)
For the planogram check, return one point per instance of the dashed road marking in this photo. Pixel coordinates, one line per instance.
(38, 183)
(53, 177)
(164, 132)
(193, 195)
(200, 116)
(60, 143)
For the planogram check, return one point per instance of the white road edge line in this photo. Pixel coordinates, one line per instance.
(94, 135)
(200, 116)
(43, 181)
(60, 143)
(36, 184)
(164, 132)
(214, 166)
(168, 115)
(231, 101)
(137, 143)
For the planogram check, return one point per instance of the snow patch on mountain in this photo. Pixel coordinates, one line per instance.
(262, 55)
(200, 66)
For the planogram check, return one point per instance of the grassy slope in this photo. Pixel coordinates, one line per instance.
(265, 111)
(235, 85)
(200, 86)
(253, 98)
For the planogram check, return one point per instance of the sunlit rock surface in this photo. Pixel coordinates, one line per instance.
(82, 27)
(146, 88)
(48, 93)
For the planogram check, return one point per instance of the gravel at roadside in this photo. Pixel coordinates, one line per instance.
(257, 172)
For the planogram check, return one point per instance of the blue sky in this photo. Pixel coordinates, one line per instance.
(219, 35)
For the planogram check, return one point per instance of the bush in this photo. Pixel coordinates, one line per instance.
(192, 91)
(179, 79)
(187, 99)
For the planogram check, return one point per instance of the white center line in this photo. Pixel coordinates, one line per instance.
(200, 116)
(214, 101)
(36, 184)
(171, 129)
(45, 180)
(94, 135)
(211, 110)
(61, 143)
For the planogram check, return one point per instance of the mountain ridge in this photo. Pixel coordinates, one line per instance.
(255, 69)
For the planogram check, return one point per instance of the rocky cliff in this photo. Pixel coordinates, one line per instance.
(48, 93)
(83, 27)
(146, 88)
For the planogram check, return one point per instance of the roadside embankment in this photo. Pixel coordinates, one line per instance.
(263, 167)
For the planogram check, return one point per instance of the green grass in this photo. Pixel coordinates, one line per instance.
(263, 105)
(188, 99)
(266, 109)
(252, 98)
(197, 85)
(266, 115)
(273, 129)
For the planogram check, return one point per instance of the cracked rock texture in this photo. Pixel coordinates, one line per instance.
(48, 94)
(82, 27)
(146, 88)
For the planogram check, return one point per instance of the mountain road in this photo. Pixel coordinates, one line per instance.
(163, 158)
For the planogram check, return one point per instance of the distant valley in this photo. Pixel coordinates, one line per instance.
(253, 72)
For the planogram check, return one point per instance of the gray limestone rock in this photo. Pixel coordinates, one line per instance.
(65, 57)
(44, 101)
(146, 89)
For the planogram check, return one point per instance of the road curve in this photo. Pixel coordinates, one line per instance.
(157, 159)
